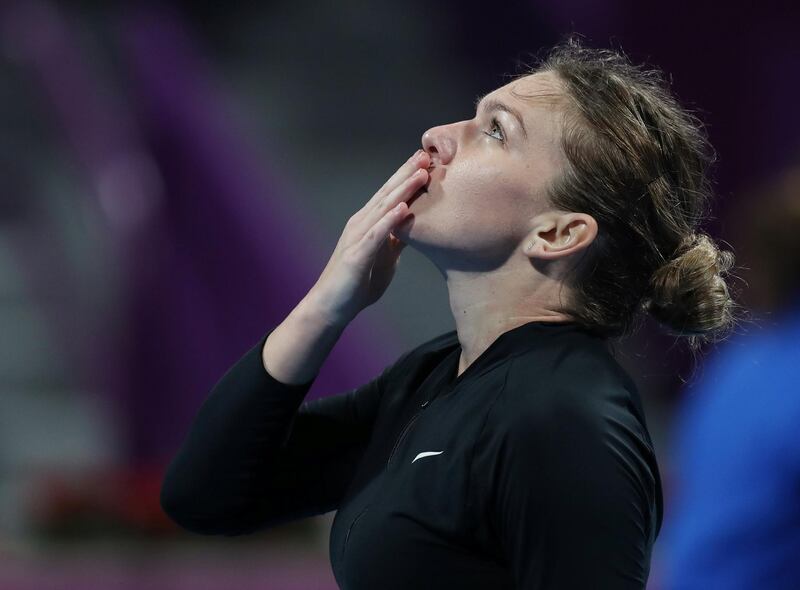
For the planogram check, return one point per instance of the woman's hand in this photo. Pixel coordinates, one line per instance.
(363, 264)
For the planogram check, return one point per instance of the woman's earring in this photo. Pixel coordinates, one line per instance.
(529, 246)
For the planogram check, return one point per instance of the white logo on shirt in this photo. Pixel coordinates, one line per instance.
(427, 454)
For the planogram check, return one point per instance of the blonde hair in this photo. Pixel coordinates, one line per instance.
(638, 163)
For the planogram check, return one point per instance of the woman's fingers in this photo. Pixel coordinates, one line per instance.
(385, 198)
(363, 263)
(421, 159)
(377, 235)
(401, 193)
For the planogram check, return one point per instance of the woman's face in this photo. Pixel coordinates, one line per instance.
(489, 177)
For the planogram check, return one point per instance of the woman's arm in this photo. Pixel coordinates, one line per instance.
(257, 456)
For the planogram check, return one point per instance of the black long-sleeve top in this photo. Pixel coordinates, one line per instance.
(533, 469)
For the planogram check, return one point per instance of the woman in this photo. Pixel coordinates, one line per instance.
(513, 451)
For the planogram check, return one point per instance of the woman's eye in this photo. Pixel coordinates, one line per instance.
(496, 125)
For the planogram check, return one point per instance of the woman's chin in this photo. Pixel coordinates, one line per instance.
(421, 193)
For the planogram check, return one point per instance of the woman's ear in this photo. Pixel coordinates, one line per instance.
(558, 236)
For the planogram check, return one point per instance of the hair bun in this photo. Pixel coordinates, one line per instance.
(688, 294)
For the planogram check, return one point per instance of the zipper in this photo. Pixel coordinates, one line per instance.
(405, 430)
(396, 444)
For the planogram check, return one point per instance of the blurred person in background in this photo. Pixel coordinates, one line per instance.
(735, 521)
(513, 451)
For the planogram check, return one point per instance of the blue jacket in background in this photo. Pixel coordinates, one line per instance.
(734, 519)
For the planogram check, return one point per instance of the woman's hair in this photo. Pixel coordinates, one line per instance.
(638, 164)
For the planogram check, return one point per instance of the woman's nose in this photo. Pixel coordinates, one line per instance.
(440, 144)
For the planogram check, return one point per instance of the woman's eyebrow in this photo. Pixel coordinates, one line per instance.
(492, 104)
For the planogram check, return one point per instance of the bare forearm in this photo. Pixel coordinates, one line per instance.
(297, 348)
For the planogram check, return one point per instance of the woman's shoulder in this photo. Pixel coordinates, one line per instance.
(577, 381)
(580, 365)
(570, 408)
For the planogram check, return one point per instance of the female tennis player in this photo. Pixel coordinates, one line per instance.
(511, 452)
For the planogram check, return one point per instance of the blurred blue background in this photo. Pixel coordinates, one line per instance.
(175, 176)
